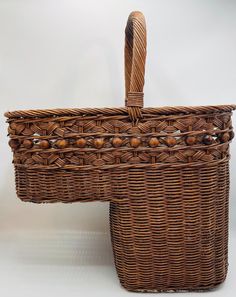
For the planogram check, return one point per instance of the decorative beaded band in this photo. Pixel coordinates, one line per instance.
(76, 141)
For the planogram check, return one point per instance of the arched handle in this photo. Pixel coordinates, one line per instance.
(135, 57)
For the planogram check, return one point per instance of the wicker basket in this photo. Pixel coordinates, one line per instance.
(164, 170)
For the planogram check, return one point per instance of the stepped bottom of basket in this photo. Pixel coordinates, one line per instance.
(174, 290)
(169, 226)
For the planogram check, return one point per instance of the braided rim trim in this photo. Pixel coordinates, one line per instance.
(119, 111)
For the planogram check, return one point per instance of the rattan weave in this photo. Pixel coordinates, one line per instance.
(165, 172)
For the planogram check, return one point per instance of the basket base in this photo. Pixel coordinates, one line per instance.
(200, 289)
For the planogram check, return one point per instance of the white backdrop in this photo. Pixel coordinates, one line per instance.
(69, 53)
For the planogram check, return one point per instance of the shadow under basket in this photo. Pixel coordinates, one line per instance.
(165, 172)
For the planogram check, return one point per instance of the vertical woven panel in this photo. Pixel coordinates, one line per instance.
(172, 233)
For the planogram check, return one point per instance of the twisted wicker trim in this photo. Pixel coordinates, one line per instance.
(167, 110)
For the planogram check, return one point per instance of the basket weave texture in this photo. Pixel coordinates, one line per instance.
(165, 172)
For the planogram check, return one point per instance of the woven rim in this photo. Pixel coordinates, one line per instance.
(119, 111)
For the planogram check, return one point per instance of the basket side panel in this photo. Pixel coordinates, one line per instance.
(172, 233)
(50, 186)
(58, 185)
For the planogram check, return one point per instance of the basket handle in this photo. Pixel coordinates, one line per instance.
(135, 57)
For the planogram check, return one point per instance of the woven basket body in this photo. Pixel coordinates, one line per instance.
(164, 171)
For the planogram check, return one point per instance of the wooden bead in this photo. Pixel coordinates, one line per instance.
(208, 139)
(81, 142)
(44, 144)
(190, 140)
(61, 143)
(153, 142)
(225, 137)
(135, 142)
(98, 143)
(27, 143)
(14, 143)
(170, 141)
(117, 141)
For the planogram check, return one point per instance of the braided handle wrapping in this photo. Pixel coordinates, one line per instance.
(135, 57)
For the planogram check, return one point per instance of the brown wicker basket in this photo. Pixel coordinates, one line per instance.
(164, 170)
